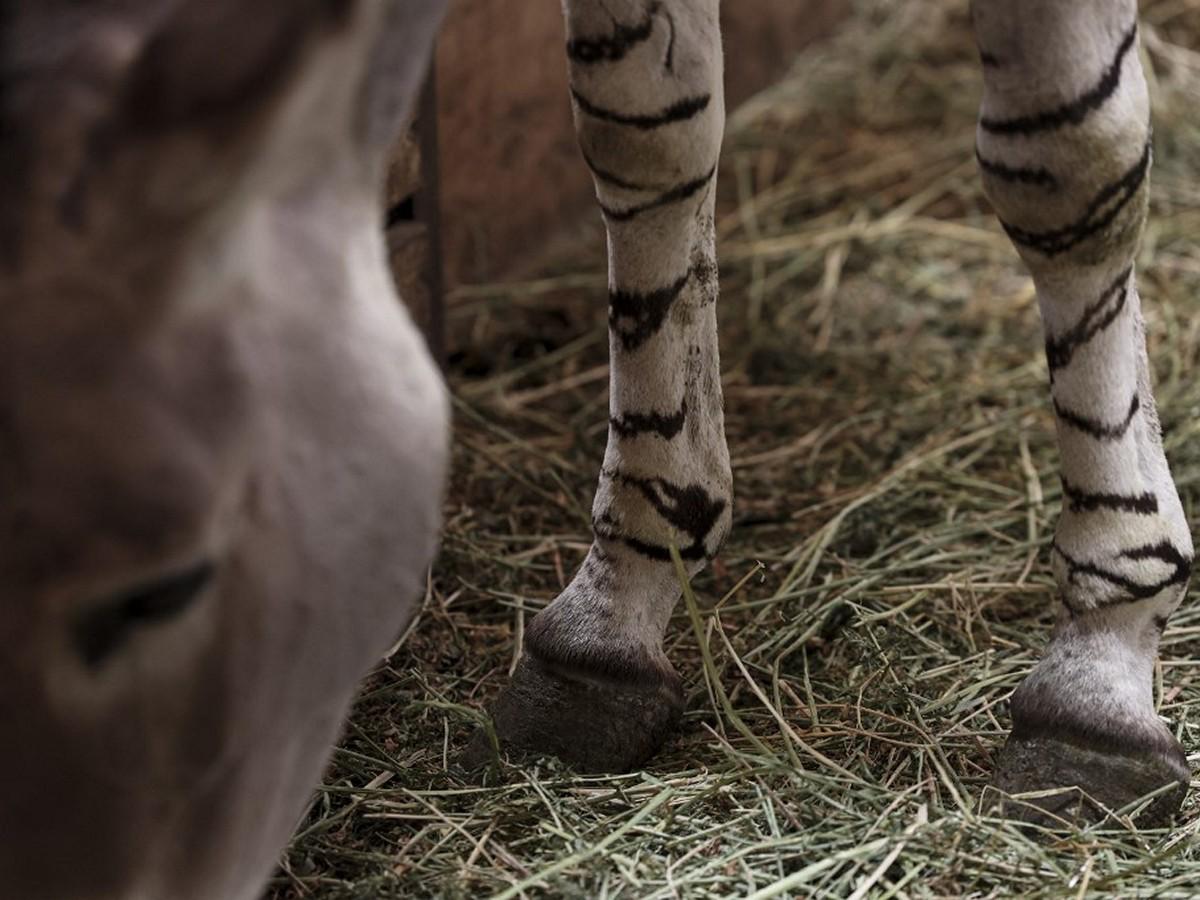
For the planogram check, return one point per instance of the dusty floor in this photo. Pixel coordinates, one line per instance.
(887, 582)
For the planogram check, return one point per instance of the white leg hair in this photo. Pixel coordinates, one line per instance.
(649, 113)
(1064, 147)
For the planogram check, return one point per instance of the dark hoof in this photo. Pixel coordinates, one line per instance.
(1075, 786)
(594, 724)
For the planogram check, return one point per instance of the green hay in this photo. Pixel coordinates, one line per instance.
(849, 657)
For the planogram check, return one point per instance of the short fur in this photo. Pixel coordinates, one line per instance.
(222, 441)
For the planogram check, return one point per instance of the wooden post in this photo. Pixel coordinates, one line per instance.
(413, 223)
(429, 212)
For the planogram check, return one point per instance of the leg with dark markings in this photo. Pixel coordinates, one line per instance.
(1064, 147)
(594, 687)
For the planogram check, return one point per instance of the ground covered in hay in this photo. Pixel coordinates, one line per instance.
(849, 657)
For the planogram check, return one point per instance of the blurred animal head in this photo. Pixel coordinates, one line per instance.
(221, 440)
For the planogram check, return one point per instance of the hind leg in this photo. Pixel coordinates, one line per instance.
(1064, 146)
(594, 686)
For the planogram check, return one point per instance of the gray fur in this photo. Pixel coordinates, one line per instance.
(207, 384)
(203, 363)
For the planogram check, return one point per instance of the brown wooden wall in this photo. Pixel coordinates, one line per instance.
(510, 171)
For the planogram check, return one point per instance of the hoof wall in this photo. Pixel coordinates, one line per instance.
(591, 724)
(1074, 786)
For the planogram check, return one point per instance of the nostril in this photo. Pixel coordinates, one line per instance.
(105, 627)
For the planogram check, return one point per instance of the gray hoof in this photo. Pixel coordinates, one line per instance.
(1074, 785)
(592, 723)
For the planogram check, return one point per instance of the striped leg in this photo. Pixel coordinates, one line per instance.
(1064, 145)
(594, 686)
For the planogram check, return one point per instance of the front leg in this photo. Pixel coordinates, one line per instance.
(1064, 146)
(594, 686)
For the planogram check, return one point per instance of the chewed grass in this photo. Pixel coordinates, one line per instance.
(849, 657)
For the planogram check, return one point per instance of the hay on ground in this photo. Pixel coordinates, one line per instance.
(849, 657)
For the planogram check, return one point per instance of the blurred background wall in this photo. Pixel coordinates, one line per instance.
(510, 173)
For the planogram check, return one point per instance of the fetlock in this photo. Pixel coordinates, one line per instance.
(591, 724)
(593, 686)
(1084, 725)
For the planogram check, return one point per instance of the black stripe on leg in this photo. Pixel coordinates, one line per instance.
(636, 316)
(674, 195)
(1144, 504)
(1061, 349)
(629, 425)
(679, 111)
(1101, 431)
(603, 528)
(615, 46)
(688, 509)
(1164, 551)
(1041, 177)
(611, 178)
(1100, 213)
(660, 553)
(1077, 110)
